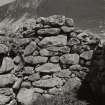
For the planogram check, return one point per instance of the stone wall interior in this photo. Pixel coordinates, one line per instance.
(45, 57)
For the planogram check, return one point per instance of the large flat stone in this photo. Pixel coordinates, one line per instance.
(49, 31)
(48, 68)
(60, 40)
(35, 60)
(69, 59)
(48, 83)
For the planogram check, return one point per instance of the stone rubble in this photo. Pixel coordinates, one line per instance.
(47, 56)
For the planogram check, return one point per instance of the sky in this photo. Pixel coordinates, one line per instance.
(4, 2)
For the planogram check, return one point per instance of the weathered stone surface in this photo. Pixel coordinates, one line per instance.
(27, 96)
(26, 84)
(39, 60)
(45, 52)
(28, 70)
(13, 102)
(49, 83)
(46, 77)
(38, 90)
(21, 41)
(6, 95)
(73, 34)
(56, 20)
(4, 99)
(6, 80)
(48, 96)
(35, 60)
(76, 67)
(3, 49)
(42, 20)
(66, 29)
(60, 40)
(73, 84)
(48, 68)
(87, 55)
(17, 84)
(55, 91)
(34, 77)
(30, 48)
(73, 41)
(17, 60)
(49, 31)
(79, 48)
(69, 59)
(69, 22)
(61, 50)
(54, 59)
(63, 73)
(7, 65)
(35, 53)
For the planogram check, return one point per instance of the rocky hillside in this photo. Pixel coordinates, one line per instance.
(17, 11)
(45, 57)
(92, 18)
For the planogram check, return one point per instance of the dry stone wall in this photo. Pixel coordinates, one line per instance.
(44, 57)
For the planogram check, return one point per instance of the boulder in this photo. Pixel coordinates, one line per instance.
(28, 70)
(35, 60)
(3, 49)
(67, 29)
(7, 65)
(73, 41)
(69, 59)
(55, 91)
(63, 73)
(60, 40)
(69, 22)
(6, 80)
(34, 77)
(78, 67)
(48, 68)
(54, 59)
(79, 48)
(48, 83)
(27, 96)
(45, 52)
(56, 20)
(87, 55)
(30, 48)
(49, 31)
(17, 60)
(26, 84)
(73, 84)
(40, 60)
